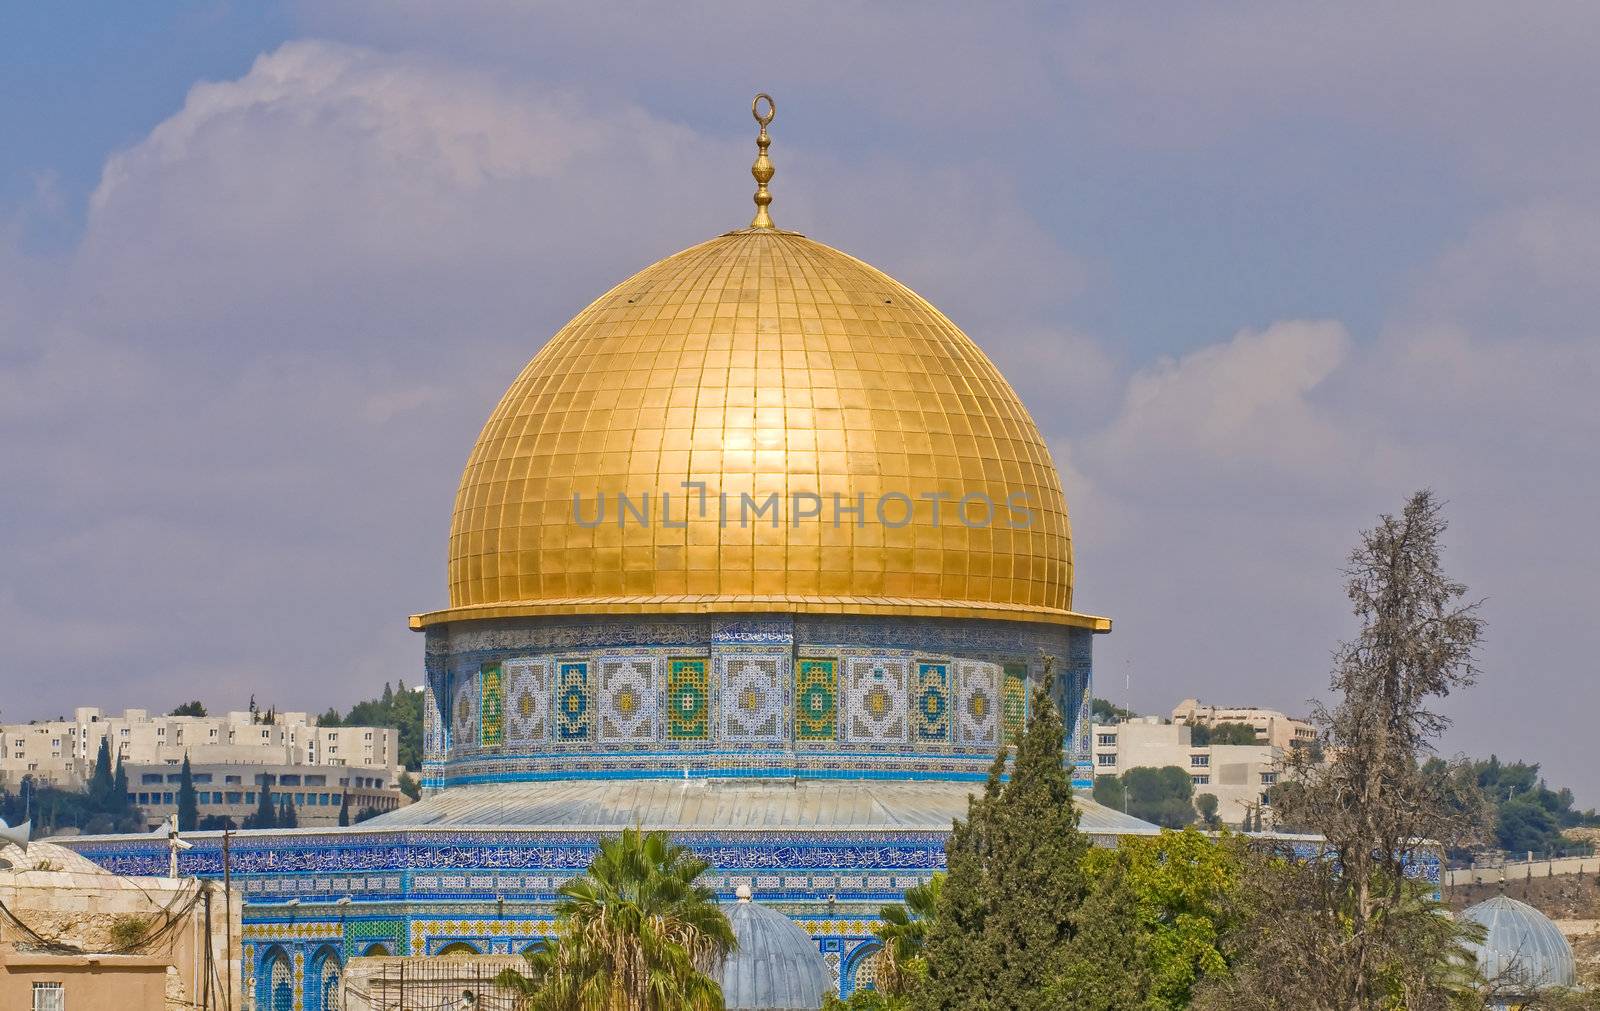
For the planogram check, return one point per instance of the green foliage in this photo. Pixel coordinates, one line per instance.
(1206, 805)
(287, 818)
(1102, 711)
(216, 823)
(637, 932)
(1152, 924)
(1108, 792)
(1202, 735)
(344, 809)
(1528, 814)
(102, 807)
(1014, 881)
(902, 930)
(102, 783)
(266, 815)
(1163, 796)
(400, 709)
(128, 931)
(410, 785)
(191, 708)
(188, 800)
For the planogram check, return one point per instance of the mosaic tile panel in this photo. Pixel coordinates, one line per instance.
(1014, 701)
(816, 710)
(978, 703)
(466, 714)
(491, 707)
(875, 700)
(931, 702)
(751, 693)
(628, 711)
(688, 701)
(528, 692)
(573, 717)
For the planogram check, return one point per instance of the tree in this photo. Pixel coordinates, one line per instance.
(120, 804)
(1102, 711)
(216, 823)
(193, 708)
(286, 813)
(636, 932)
(1206, 804)
(1202, 734)
(266, 815)
(1349, 928)
(101, 782)
(331, 718)
(1014, 879)
(1152, 925)
(344, 809)
(188, 802)
(902, 930)
(1108, 792)
(1163, 796)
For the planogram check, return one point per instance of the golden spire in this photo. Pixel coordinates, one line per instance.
(762, 169)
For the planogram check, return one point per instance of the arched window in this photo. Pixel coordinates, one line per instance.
(459, 948)
(322, 981)
(376, 950)
(861, 969)
(275, 982)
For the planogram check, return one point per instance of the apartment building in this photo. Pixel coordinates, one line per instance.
(1239, 775)
(62, 752)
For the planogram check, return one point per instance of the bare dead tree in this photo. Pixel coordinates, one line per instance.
(1348, 926)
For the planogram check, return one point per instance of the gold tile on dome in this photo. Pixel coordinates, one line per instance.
(758, 363)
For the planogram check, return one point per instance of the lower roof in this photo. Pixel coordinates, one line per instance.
(701, 805)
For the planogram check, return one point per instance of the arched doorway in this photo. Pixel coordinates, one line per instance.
(459, 948)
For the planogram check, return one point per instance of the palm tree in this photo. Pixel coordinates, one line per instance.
(901, 931)
(634, 933)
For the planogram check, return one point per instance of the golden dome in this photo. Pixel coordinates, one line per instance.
(760, 367)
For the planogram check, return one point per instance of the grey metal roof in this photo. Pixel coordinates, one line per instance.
(777, 966)
(730, 805)
(1521, 951)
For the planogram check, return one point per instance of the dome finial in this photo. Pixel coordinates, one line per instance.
(762, 169)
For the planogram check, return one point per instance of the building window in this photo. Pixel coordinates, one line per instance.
(1105, 758)
(1199, 761)
(1106, 740)
(49, 997)
(1268, 778)
(1201, 780)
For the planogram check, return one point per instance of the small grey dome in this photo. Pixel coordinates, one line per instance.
(777, 966)
(1521, 948)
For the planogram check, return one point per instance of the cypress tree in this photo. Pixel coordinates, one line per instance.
(266, 815)
(188, 803)
(344, 810)
(101, 783)
(286, 815)
(121, 803)
(1015, 880)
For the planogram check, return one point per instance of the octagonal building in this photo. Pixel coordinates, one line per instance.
(761, 549)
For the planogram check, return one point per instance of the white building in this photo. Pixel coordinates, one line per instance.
(1238, 775)
(62, 752)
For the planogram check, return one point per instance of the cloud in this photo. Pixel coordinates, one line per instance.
(234, 417)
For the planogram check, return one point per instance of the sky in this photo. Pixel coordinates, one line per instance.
(1259, 271)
